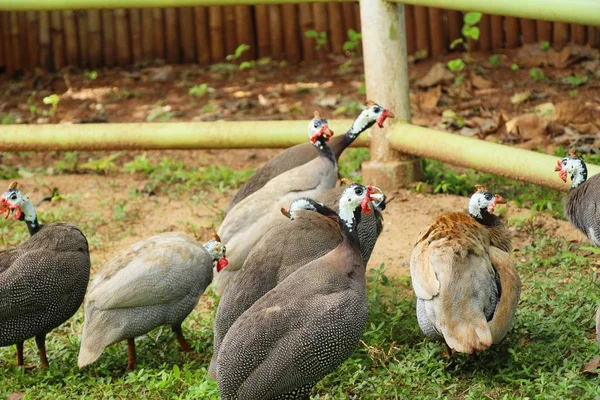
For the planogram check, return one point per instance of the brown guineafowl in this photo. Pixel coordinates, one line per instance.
(303, 153)
(157, 281)
(42, 281)
(304, 327)
(309, 234)
(465, 280)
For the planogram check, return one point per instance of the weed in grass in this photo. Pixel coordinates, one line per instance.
(350, 162)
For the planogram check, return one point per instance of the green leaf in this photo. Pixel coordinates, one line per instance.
(514, 66)
(472, 18)
(473, 33)
(494, 60)
(456, 42)
(456, 65)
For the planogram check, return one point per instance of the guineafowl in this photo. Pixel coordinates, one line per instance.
(465, 280)
(155, 282)
(42, 281)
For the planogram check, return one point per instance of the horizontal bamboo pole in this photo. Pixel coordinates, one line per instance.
(34, 5)
(585, 12)
(156, 136)
(461, 151)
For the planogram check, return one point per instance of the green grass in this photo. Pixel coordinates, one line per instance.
(550, 340)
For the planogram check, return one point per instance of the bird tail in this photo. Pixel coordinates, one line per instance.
(93, 341)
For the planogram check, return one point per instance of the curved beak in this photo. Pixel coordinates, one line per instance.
(499, 199)
(385, 114)
(558, 166)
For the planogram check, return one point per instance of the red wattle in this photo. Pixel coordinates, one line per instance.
(222, 263)
(6, 213)
(364, 205)
(18, 212)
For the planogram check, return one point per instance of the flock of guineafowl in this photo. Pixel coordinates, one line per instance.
(289, 264)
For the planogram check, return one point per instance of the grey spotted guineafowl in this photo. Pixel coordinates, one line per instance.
(465, 280)
(42, 281)
(308, 234)
(154, 282)
(304, 327)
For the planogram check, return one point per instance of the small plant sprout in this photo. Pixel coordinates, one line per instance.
(577, 80)
(351, 45)
(91, 75)
(545, 45)
(241, 49)
(537, 74)
(468, 31)
(320, 38)
(514, 66)
(198, 91)
(52, 100)
(495, 60)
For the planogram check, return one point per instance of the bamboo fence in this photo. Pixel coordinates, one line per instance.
(206, 35)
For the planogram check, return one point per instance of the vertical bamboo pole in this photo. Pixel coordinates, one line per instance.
(336, 27)
(578, 33)
(81, 18)
(33, 37)
(158, 29)
(186, 32)
(306, 24)
(496, 32)
(135, 29)
(528, 30)
(14, 40)
(201, 29)
(215, 21)
(290, 33)
(560, 35)
(321, 25)
(411, 38)
(71, 45)
(511, 27)
(385, 33)
(263, 40)
(276, 32)
(58, 46)
(171, 36)
(422, 30)
(108, 33)
(123, 49)
(45, 44)
(436, 31)
(485, 39)
(230, 29)
(94, 38)
(147, 34)
(245, 31)
(544, 31)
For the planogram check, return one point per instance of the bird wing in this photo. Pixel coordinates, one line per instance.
(161, 273)
(510, 289)
(424, 280)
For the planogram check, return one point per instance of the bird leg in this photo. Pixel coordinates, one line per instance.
(182, 342)
(131, 354)
(40, 340)
(20, 354)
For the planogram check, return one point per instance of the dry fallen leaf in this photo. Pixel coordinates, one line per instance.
(527, 126)
(591, 367)
(520, 97)
(480, 83)
(571, 111)
(428, 100)
(263, 101)
(468, 132)
(436, 75)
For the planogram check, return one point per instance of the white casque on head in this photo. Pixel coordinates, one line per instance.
(479, 201)
(351, 198)
(575, 168)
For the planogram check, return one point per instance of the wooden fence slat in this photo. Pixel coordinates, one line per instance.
(485, 38)
(276, 32)
(579, 33)
(544, 31)
(512, 32)
(306, 24)
(263, 40)
(230, 30)
(158, 29)
(436, 31)
(44, 39)
(94, 30)
(135, 30)
(123, 49)
(245, 31)
(71, 45)
(15, 46)
(422, 29)
(172, 36)
(496, 31)
(5, 27)
(560, 34)
(215, 21)
(357, 21)
(454, 24)
(348, 18)
(290, 33)
(2, 58)
(336, 27)
(187, 35)
(147, 33)
(593, 36)
(58, 44)
(108, 34)
(81, 19)
(201, 29)
(528, 30)
(321, 25)
(33, 39)
(411, 38)
(22, 37)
